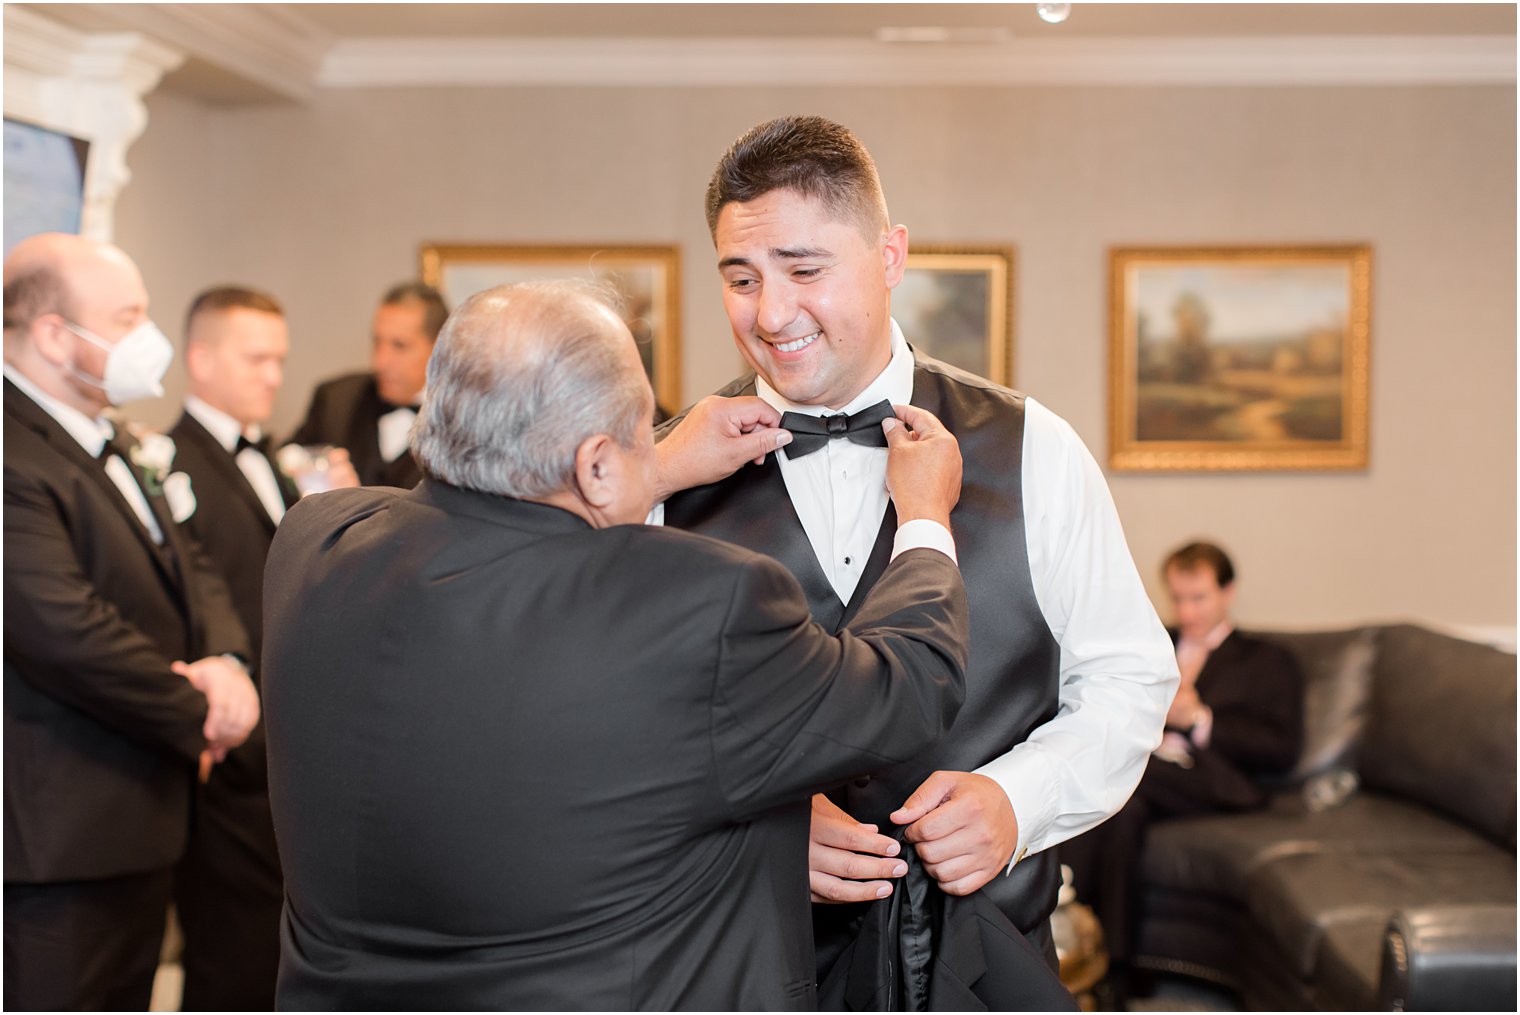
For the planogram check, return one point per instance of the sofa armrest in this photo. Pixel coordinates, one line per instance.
(1449, 958)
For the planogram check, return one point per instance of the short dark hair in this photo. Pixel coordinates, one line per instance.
(1200, 554)
(29, 296)
(817, 158)
(434, 310)
(232, 297)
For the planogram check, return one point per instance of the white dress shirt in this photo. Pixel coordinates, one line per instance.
(395, 432)
(249, 461)
(92, 435)
(1118, 671)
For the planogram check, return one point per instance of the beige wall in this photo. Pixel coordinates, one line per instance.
(326, 204)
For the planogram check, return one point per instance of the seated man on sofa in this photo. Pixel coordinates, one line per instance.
(1237, 719)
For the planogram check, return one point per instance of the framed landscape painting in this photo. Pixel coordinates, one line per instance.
(1239, 358)
(648, 277)
(956, 304)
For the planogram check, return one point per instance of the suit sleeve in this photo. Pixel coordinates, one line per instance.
(1263, 730)
(221, 629)
(74, 645)
(797, 710)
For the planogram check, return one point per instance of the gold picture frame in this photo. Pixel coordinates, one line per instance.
(649, 278)
(955, 303)
(1239, 358)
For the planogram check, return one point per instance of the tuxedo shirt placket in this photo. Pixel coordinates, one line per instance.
(256, 466)
(840, 493)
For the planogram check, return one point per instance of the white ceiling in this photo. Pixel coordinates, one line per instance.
(861, 20)
(263, 52)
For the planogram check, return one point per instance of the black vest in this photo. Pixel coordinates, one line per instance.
(1013, 679)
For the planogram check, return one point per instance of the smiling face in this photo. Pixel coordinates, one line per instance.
(807, 295)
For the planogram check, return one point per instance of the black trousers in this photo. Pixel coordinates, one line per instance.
(84, 945)
(228, 893)
(1105, 861)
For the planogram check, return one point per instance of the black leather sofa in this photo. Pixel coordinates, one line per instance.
(1400, 896)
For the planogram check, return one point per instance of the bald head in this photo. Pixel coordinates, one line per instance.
(48, 273)
(55, 280)
(520, 377)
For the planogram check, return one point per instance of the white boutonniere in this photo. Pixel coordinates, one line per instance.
(179, 495)
(153, 454)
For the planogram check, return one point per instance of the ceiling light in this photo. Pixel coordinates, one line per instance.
(1053, 13)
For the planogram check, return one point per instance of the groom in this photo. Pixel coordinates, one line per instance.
(1070, 670)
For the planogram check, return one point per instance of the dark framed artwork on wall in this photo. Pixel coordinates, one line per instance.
(647, 277)
(1239, 358)
(956, 304)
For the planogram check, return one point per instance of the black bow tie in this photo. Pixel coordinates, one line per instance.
(261, 445)
(118, 444)
(809, 433)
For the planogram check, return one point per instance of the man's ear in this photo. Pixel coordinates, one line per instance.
(598, 471)
(51, 339)
(894, 254)
(195, 360)
(1229, 597)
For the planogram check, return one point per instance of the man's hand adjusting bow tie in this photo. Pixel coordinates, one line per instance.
(809, 433)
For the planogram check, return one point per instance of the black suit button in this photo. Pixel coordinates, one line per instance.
(863, 782)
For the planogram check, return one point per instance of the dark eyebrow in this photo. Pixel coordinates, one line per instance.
(780, 254)
(798, 253)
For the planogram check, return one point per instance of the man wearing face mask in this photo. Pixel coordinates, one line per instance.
(123, 654)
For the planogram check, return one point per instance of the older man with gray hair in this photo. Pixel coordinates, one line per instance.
(527, 753)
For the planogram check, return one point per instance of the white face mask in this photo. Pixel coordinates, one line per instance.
(134, 365)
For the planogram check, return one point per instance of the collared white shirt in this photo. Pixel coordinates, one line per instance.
(251, 463)
(1118, 672)
(92, 435)
(395, 432)
(840, 491)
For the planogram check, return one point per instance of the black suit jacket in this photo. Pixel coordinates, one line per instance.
(346, 412)
(101, 737)
(507, 776)
(1256, 691)
(230, 522)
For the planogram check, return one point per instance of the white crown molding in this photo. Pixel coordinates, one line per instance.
(87, 85)
(1284, 60)
(269, 44)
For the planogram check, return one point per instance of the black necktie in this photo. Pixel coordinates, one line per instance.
(809, 433)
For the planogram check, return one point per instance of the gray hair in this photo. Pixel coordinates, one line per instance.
(520, 376)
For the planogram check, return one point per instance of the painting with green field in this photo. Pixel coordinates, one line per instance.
(1236, 358)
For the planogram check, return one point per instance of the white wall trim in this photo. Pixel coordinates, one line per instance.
(90, 86)
(1296, 60)
(271, 45)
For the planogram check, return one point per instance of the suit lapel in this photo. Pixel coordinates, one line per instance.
(226, 466)
(28, 413)
(1222, 659)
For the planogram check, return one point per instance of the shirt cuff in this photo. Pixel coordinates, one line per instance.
(1026, 779)
(922, 533)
